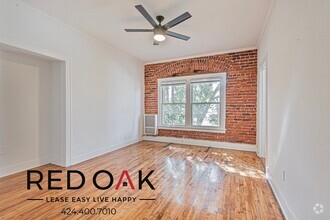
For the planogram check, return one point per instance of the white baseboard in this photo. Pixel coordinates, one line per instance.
(57, 161)
(6, 171)
(205, 143)
(286, 210)
(90, 155)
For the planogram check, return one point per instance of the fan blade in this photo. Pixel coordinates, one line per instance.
(176, 35)
(178, 20)
(156, 42)
(145, 14)
(139, 30)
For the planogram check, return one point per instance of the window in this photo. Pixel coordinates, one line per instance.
(206, 103)
(193, 102)
(173, 104)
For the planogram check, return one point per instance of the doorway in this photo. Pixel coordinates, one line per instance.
(34, 110)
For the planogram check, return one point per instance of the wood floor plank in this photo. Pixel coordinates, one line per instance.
(191, 182)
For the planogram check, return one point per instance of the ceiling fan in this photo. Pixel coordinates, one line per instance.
(161, 30)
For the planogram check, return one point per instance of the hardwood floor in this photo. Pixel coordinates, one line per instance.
(190, 182)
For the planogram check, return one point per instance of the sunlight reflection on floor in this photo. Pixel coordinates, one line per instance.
(225, 161)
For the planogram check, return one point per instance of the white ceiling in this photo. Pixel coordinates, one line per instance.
(216, 25)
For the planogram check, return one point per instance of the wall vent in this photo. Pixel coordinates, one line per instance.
(150, 124)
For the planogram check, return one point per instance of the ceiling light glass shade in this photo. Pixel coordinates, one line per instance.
(159, 33)
(159, 37)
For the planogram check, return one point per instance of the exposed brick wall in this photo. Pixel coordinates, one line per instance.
(241, 92)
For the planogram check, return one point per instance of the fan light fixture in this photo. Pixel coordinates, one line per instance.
(159, 33)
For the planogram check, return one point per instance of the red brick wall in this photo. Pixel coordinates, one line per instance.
(241, 92)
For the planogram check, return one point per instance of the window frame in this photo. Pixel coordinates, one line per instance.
(188, 107)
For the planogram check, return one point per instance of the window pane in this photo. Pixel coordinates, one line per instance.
(173, 114)
(175, 93)
(206, 91)
(206, 114)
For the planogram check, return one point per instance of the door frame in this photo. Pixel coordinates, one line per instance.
(262, 110)
(23, 46)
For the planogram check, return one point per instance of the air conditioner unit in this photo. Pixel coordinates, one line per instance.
(150, 124)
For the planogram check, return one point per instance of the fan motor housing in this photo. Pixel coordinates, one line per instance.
(159, 30)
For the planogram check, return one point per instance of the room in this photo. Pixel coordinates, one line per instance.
(164, 109)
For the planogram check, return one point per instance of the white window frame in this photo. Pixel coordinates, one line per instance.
(188, 116)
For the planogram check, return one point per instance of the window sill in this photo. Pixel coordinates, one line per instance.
(221, 131)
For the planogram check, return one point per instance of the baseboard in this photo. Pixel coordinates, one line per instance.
(6, 171)
(287, 212)
(56, 160)
(205, 143)
(90, 155)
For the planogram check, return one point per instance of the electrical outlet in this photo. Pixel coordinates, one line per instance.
(283, 175)
(2, 150)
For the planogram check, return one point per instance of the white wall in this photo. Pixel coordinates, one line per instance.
(297, 43)
(107, 85)
(29, 112)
